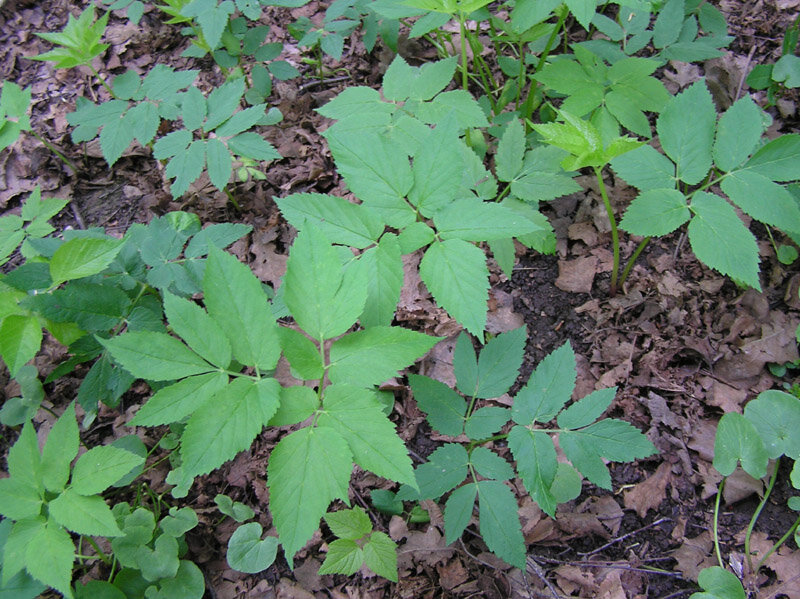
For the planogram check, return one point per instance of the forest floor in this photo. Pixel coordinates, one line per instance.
(683, 344)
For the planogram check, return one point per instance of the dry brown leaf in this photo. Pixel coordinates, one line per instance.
(426, 547)
(694, 555)
(611, 586)
(452, 574)
(290, 590)
(572, 578)
(727, 398)
(577, 275)
(649, 493)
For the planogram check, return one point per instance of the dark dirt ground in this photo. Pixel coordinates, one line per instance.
(682, 343)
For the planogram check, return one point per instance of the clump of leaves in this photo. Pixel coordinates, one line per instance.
(358, 545)
(47, 498)
(79, 41)
(473, 471)
(14, 103)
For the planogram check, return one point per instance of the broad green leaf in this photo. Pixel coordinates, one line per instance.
(614, 440)
(23, 459)
(98, 589)
(656, 212)
(175, 402)
(101, 467)
(438, 168)
(179, 521)
(227, 423)
(431, 78)
(172, 144)
(197, 329)
(355, 414)
(303, 355)
(19, 499)
(718, 583)
(474, 220)
(398, 80)
(16, 546)
(787, 68)
(223, 101)
(444, 407)
(465, 366)
(307, 470)
(323, 301)
(352, 524)
(510, 151)
(92, 307)
(115, 137)
(587, 410)
(186, 167)
(504, 253)
(159, 562)
(251, 145)
(83, 515)
(59, 450)
(20, 340)
(235, 509)
(720, 239)
(356, 100)
(241, 121)
(380, 555)
(247, 552)
(582, 10)
(458, 511)
(83, 257)
(384, 266)
(776, 417)
(387, 350)
(341, 221)
(738, 440)
(155, 356)
(499, 522)
(778, 159)
(548, 389)
(445, 469)
(763, 199)
(49, 557)
(645, 168)
(490, 465)
(458, 102)
(344, 557)
(218, 162)
(235, 299)
(376, 173)
(484, 422)
(738, 133)
(629, 116)
(567, 483)
(668, 24)
(567, 76)
(536, 463)
(686, 131)
(219, 235)
(499, 363)
(456, 274)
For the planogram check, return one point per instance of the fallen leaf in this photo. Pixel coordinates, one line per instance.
(649, 493)
(576, 275)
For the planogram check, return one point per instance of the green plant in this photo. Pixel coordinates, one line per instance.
(472, 470)
(47, 498)
(784, 73)
(766, 431)
(358, 545)
(14, 119)
(79, 41)
(701, 150)
(437, 200)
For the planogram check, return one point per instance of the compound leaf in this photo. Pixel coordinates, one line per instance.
(548, 389)
(82, 257)
(778, 159)
(458, 511)
(587, 410)
(490, 465)
(351, 524)
(355, 414)
(101, 467)
(686, 131)
(763, 199)
(20, 340)
(738, 133)
(474, 220)
(720, 239)
(445, 469)
(386, 349)
(656, 212)
(49, 556)
(444, 407)
(484, 422)
(227, 423)
(384, 266)
(177, 401)
(84, 515)
(307, 470)
(218, 162)
(645, 168)
(155, 356)
(344, 557)
(236, 300)
(456, 274)
(536, 463)
(499, 363)
(499, 522)
(197, 329)
(59, 450)
(380, 555)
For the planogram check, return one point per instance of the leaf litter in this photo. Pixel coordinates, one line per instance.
(683, 344)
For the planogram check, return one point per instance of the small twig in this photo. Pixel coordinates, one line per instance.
(76, 213)
(625, 536)
(537, 569)
(744, 73)
(615, 566)
(318, 82)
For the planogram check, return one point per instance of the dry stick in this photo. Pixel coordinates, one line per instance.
(744, 73)
(625, 536)
(537, 569)
(615, 566)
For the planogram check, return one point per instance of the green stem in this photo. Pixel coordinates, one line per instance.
(632, 260)
(521, 76)
(51, 147)
(473, 444)
(716, 522)
(757, 513)
(103, 82)
(100, 554)
(232, 199)
(614, 234)
(531, 97)
(777, 545)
